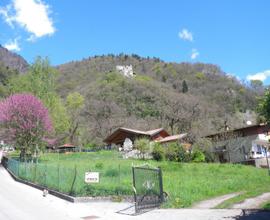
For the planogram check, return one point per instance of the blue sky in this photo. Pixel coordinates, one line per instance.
(232, 34)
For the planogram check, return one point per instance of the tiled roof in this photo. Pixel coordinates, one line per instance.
(172, 138)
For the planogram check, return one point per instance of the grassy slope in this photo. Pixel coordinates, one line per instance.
(185, 183)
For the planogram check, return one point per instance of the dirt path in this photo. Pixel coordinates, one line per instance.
(212, 203)
(253, 203)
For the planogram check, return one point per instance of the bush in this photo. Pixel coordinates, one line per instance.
(198, 156)
(205, 146)
(200, 76)
(143, 145)
(171, 152)
(112, 173)
(91, 146)
(158, 152)
(99, 165)
(176, 152)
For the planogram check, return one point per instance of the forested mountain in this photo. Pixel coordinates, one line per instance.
(12, 60)
(11, 65)
(181, 97)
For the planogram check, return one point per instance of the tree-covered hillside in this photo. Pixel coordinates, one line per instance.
(196, 98)
(12, 60)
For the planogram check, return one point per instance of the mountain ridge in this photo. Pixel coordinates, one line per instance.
(13, 60)
(197, 98)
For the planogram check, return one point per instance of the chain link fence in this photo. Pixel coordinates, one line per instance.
(71, 180)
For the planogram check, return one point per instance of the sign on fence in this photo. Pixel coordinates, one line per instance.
(91, 177)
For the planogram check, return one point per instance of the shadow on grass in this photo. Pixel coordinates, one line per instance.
(253, 215)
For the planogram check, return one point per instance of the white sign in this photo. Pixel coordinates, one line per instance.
(91, 177)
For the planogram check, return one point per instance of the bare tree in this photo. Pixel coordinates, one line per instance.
(180, 111)
(105, 117)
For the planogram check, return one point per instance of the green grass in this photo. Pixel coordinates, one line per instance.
(266, 206)
(186, 183)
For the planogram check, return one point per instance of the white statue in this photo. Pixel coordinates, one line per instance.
(127, 145)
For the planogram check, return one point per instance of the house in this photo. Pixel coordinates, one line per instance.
(123, 136)
(242, 144)
(66, 148)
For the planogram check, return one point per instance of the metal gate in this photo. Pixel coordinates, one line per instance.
(148, 187)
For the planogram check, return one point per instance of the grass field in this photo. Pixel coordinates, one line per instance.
(186, 183)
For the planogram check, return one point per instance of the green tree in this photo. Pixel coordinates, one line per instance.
(264, 106)
(5, 74)
(184, 87)
(40, 81)
(255, 84)
(158, 152)
(74, 104)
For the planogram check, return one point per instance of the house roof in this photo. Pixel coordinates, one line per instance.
(121, 133)
(153, 132)
(259, 128)
(66, 146)
(172, 138)
(132, 130)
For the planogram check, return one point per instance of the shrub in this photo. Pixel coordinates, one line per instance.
(198, 156)
(143, 145)
(171, 152)
(99, 165)
(205, 146)
(200, 76)
(176, 152)
(158, 152)
(182, 154)
(90, 146)
(112, 173)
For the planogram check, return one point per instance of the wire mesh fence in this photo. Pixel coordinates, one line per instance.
(71, 180)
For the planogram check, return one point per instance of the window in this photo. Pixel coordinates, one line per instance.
(259, 149)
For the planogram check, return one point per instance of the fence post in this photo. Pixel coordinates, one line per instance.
(45, 183)
(160, 185)
(74, 180)
(25, 169)
(134, 189)
(58, 177)
(119, 179)
(35, 178)
(18, 169)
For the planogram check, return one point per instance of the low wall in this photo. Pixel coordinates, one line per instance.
(261, 162)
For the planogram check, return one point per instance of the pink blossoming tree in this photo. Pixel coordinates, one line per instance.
(26, 121)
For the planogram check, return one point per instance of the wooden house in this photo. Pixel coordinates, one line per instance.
(119, 136)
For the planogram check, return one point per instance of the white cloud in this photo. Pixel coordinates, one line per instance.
(259, 76)
(32, 15)
(186, 35)
(4, 13)
(12, 45)
(194, 54)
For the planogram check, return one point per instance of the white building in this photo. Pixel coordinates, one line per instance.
(251, 142)
(127, 71)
